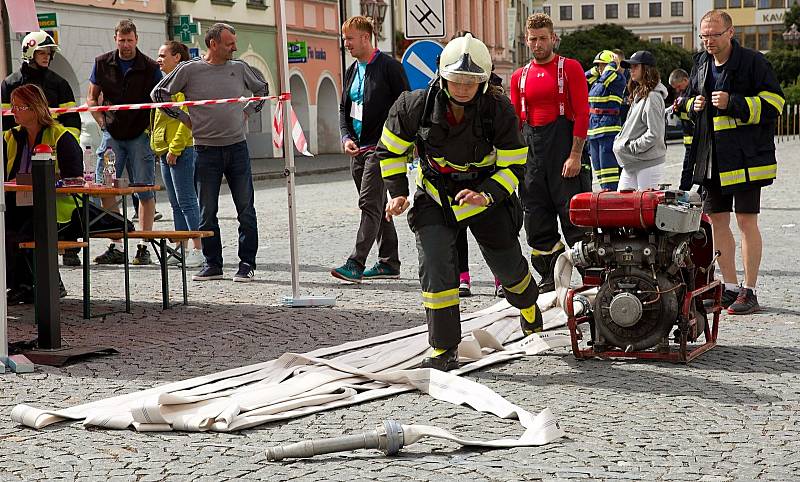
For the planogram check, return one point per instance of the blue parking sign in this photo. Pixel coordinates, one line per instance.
(419, 62)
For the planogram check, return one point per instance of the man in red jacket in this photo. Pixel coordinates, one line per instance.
(551, 98)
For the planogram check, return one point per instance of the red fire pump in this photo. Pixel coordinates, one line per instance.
(651, 258)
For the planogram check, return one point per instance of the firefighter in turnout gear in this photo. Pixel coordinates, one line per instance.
(682, 107)
(38, 50)
(736, 100)
(471, 161)
(606, 91)
(550, 96)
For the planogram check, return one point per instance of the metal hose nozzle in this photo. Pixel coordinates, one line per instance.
(387, 438)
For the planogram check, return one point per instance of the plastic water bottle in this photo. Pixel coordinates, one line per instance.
(88, 164)
(109, 167)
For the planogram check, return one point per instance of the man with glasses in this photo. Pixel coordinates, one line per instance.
(735, 99)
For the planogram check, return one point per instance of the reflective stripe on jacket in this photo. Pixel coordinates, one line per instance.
(606, 91)
(739, 139)
(460, 148)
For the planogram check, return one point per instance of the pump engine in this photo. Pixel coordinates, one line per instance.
(650, 255)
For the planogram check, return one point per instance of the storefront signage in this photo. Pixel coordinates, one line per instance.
(770, 16)
(298, 52)
(49, 23)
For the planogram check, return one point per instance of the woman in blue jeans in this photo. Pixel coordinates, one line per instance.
(171, 141)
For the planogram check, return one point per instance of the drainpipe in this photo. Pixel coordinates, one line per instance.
(342, 16)
(168, 8)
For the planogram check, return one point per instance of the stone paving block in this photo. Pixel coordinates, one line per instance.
(734, 411)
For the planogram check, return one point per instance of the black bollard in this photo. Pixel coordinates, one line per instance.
(46, 253)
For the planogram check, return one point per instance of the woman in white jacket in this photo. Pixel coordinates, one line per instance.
(640, 147)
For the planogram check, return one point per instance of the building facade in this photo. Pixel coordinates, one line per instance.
(315, 70)
(84, 32)
(488, 20)
(757, 23)
(658, 21)
(254, 21)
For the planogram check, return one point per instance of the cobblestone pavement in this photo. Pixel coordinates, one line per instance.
(731, 414)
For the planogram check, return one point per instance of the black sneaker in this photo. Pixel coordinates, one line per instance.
(208, 273)
(499, 291)
(729, 297)
(71, 258)
(142, 256)
(442, 361)
(245, 273)
(21, 295)
(464, 289)
(112, 256)
(157, 216)
(62, 290)
(745, 303)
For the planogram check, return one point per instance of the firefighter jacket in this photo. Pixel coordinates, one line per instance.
(735, 145)
(606, 90)
(682, 107)
(56, 90)
(67, 154)
(498, 157)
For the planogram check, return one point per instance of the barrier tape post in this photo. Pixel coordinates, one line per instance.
(295, 300)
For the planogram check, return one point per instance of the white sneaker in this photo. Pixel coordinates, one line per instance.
(194, 258)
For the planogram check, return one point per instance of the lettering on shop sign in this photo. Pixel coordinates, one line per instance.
(317, 54)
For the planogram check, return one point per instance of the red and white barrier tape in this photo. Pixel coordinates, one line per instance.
(277, 123)
(297, 131)
(156, 105)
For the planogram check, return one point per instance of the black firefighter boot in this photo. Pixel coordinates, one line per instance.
(545, 265)
(441, 359)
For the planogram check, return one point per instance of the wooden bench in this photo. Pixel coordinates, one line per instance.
(62, 245)
(158, 240)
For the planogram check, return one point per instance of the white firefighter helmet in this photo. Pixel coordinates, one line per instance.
(465, 60)
(37, 41)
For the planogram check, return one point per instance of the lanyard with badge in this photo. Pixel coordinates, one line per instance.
(356, 109)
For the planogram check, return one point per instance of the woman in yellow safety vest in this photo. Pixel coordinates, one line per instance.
(34, 126)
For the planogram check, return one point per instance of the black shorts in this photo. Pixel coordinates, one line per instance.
(747, 202)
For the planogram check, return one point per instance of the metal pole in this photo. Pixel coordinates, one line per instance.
(288, 147)
(288, 152)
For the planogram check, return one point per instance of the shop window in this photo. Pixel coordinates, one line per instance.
(612, 11)
(750, 37)
(633, 10)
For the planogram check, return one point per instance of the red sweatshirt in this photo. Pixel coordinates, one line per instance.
(541, 94)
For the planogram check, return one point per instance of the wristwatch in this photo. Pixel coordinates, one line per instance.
(488, 197)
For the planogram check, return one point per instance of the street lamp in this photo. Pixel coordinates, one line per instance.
(376, 9)
(792, 36)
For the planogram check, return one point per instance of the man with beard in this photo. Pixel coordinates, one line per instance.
(551, 98)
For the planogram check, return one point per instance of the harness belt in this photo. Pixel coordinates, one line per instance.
(561, 96)
(598, 111)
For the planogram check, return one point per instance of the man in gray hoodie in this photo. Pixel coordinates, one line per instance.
(640, 147)
(219, 137)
